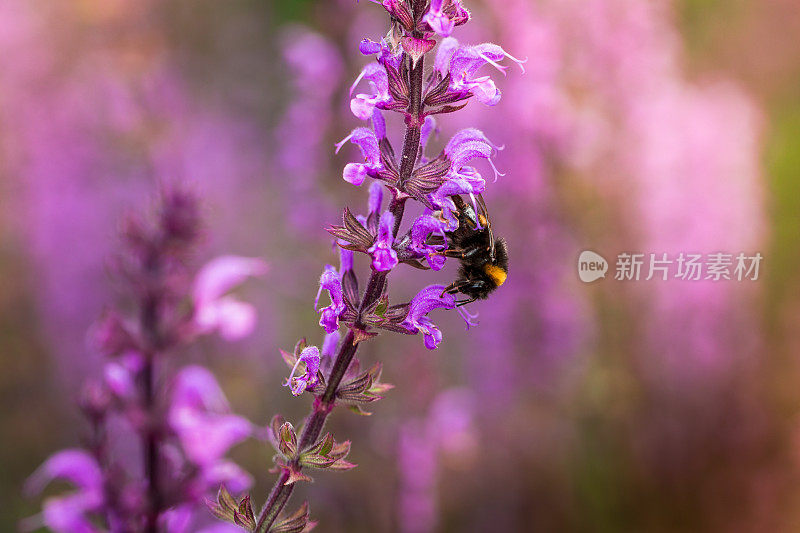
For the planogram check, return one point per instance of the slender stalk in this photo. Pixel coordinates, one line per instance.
(149, 323)
(324, 405)
(413, 121)
(99, 449)
(277, 500)
(151, 451)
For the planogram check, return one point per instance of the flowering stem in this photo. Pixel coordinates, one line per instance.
(375, 286)
(149, 323)
(99, 450)
(413, 121)
(151, 451)
(397, 207)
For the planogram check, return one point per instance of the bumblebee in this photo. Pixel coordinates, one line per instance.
(484, 259)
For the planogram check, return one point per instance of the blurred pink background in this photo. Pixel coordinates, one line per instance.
(638, 127)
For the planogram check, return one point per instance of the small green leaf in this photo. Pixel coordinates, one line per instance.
(287, 440)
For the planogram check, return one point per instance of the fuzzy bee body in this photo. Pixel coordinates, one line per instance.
(484, 258)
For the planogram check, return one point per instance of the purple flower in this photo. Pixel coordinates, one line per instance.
(386, 89)
(387, 56)
(120, 375)
(178, 519)
(383, 255)
(69, 513)
(468, 144)
(362, 105)
(367, 142)
(311, 360)
(463, 62)
(201, 418)
(464, 146)
(444, 15)
(215, 311)
(424, 302)
(315, 69)
(369, 47)
(331, 281)
(374, 198)
(422, 228)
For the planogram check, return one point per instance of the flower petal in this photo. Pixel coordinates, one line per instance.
(73, 465)
(235, 319)
(223, 273)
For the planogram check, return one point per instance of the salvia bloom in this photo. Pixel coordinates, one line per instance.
(182, 421)
(214, 311)
(394, 82)
(417, 320)
(310, 359)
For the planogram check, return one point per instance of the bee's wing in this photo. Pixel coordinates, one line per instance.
(482, 204)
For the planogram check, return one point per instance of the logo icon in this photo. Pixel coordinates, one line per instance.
(591, 266)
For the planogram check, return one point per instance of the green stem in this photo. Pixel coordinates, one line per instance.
(375, 286)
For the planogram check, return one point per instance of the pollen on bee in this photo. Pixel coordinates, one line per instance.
(497, 274)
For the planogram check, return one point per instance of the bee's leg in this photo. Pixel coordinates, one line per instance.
(454, 288)
(473, 285)
(473, 252)
(458, 253)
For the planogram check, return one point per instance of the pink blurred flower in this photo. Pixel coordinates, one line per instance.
(120, 374)
(69, 513)
(216, 311)
(201, 418)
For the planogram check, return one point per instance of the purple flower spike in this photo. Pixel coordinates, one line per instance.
(214, 311)
(384, 257)
(424, 302)
(367, 142)
(330, 281)
(310, 357)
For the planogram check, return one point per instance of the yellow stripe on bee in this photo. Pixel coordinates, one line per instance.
(497, 274)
